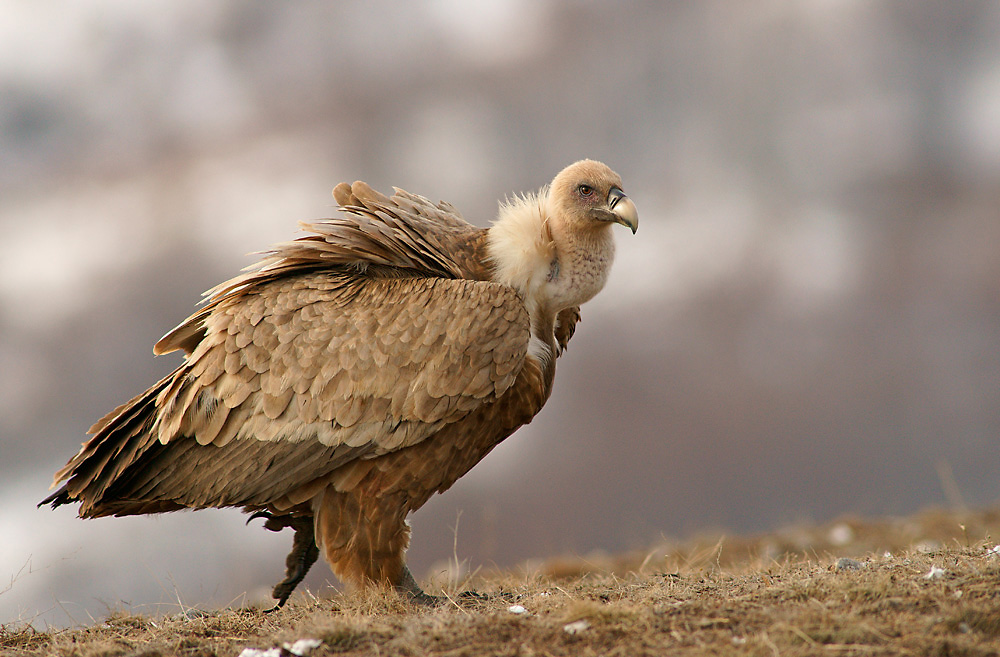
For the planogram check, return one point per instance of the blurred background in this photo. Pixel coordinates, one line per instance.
(806, 325)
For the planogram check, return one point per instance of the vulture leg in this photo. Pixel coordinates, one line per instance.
(303, 555)
(364, 538)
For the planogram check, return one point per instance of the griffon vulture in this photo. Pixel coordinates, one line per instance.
(354, 372)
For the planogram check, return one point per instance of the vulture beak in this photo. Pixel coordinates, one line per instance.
(623, 209)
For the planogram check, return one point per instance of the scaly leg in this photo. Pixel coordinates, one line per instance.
(303, 555)
(408, 586)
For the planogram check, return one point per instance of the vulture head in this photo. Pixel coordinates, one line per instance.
(587, 195)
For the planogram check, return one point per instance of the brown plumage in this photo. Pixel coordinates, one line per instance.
(354, 372)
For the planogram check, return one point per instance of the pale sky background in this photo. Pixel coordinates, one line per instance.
(806, 325)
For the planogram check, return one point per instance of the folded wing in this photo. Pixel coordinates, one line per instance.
(297, 377)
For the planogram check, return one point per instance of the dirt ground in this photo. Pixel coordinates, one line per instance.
(924, 585)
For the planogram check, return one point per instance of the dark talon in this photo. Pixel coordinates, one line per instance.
(277, 523)
(424, 599)
(474, 596)
(259, 514)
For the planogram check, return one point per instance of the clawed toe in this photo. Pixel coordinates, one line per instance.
(277, 523)
(424, 599)
(473, 595)
(465, 598)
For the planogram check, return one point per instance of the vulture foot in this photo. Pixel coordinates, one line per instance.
(409, 589)
(303, 555)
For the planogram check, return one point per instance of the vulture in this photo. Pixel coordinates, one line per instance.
(337, 384)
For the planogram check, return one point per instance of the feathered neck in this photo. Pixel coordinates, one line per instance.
(522, 253)
(520, 244)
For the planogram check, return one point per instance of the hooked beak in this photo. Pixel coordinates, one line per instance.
(623, 209)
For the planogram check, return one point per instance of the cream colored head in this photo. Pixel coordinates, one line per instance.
(587, 195)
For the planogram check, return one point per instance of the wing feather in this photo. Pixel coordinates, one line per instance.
(229, 426)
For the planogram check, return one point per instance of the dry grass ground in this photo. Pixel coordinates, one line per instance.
(926, 585)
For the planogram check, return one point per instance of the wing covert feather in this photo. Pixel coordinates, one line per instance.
(364, 361)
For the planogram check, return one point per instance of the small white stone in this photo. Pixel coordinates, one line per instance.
(303, 647)
(300, 648)
(935, 573)
(517, 609)
(576, 626)
(254, 652)
(849, 564)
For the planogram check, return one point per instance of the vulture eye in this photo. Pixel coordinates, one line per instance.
(586, 191)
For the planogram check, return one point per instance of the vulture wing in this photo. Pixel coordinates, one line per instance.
(361, 339)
